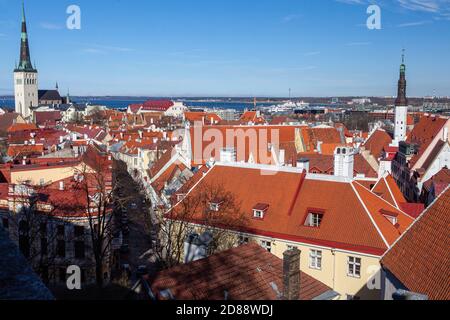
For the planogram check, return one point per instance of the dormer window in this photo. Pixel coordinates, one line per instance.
(215, 205)
(391, 216)
(314, 218)
(260, 210)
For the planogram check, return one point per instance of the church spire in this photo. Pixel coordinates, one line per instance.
(25, 60)
(401, 95)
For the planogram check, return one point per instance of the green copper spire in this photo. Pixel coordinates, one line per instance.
(401, 95)
(25, 60)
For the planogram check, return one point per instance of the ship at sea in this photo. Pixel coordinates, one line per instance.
(289, 106)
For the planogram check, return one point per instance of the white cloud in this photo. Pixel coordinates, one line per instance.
(102, 49)
(50, 26)
(362, 43)
(412, 24)
(312, 53)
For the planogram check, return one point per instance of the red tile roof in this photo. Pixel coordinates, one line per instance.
(251, 116)
(311, 137)
(22, 127)
(152, 105)
(202, 150)
(424, 133)
(245, 273)
(378, 141)
(420, 258)
(387, 189)
(346, 223)
(324, 164)
(206, 117)
(25, 150)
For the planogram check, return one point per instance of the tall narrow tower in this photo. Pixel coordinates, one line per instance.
(401, 106)
(25, 76)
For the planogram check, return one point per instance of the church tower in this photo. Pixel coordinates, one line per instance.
(401, 106)
(25, 77)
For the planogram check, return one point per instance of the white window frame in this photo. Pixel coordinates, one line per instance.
(352, 264)
(314, 220)
(243, 240)
(214, 206)
(258, 214)
(315, 259)
(266, 245)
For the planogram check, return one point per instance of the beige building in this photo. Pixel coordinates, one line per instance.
(340, 226)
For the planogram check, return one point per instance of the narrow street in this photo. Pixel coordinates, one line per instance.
(134, 223)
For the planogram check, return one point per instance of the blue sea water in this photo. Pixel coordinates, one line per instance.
(122, 104)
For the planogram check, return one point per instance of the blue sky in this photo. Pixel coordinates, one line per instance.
(231, 47)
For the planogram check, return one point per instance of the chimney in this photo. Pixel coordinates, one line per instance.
(303, 164)
(61, 185)
(291, 274)
(319, 147)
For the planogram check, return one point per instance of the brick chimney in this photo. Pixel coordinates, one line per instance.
(291, 274)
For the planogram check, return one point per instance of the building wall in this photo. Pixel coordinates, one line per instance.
(25, 92)
(44, 175)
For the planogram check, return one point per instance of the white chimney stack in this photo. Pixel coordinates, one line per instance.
(303, 164)
(61, 185)
(344, 160)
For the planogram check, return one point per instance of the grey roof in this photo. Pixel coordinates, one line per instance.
(17, 280)
(49, 95)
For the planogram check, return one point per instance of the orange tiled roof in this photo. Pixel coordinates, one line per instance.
(209, 118)
(353, 217)
(25, 150)
(377, 142)
(424, 133)
(420, 258)
(311, 137)
(387, 189)
(259, 149)
(22, 127)
(251, 116)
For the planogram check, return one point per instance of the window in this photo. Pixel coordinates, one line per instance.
(315, 259)
(44, 245)
(266, 245)
(79, 231)
(213, 206)
(60, 231)
(354, 267)
(243, 240)
(79, 249)
(314, 219)
(258, 214)
(61, 248)
(5, 223)
(43, 229)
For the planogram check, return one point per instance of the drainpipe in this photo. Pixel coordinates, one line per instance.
(333, 252)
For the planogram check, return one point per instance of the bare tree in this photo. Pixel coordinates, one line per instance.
(101, 198)
(31, 225)
(210, 209)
